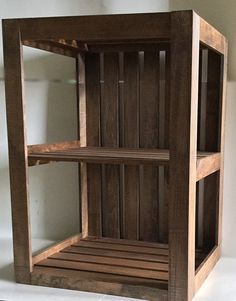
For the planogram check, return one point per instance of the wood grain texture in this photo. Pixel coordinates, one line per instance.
(131, 140)
(94, 173)
(98, 28)
(206, 267)
(85, 281)
(183, 130)
(222, 146)
(212, 37)
(43, 254)
(149, 92)
(17, 151)
(110, 138)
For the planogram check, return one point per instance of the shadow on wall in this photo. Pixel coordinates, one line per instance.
(51, 116)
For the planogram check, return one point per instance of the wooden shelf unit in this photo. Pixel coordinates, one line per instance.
(151, 99)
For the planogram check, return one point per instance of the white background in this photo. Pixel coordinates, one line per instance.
(50, 96)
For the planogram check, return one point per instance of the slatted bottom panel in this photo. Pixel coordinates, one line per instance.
(113, 260)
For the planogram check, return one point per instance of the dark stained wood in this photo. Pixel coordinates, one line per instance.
(110, 138)
(94, 173)
(58, 47)
(146, 289)
(137, 127)
(149, 91)
(183, 129)
(131, 140)
(18, 160)
(98, 28)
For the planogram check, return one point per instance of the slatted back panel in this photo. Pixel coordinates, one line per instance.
(127, 99)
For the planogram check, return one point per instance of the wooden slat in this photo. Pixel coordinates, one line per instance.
(116, 254)
(122, 262)
(94, 184)
(57, 47)
(41, 255)
(206, 267)
(183, 129)
(100, 268)
(148, 289)
(110, 138)
(131, 140)
(127, 47)
(222, 146)
(149, 91)
(208, 165)
(97, 28)
(17, 151)
(121, 247)
(83, 142)
(53, 146)
(128, 242)
(212, 37)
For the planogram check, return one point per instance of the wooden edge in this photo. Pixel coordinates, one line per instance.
(208, 165)
(35, 148)
(43, 254)
(97, 27)
(206, 267)
(212, 38)
(126, 242)
(99, 283)
(59, 47)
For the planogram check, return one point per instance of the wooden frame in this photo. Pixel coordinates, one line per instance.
(104, 156)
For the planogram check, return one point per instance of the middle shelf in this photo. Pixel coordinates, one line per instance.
(207, 162)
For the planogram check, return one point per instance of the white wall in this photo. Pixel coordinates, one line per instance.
(51, 111)
(222, 14)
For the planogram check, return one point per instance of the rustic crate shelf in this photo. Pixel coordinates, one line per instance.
(207, 163)
(151, 104)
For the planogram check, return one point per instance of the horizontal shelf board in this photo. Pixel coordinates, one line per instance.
(117, 258)
(207, 163)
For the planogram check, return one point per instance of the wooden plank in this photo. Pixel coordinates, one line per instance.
(208, 165)
(17, 151)
(222, 146)
(117, 254)
(128, 242)
(83, 142)
(127, 47)
(57, 47)
(101, 268)
(34, 148)
(41, 255)
(94, 184)
(147, 289)
(110, 138)
(120, 247)
(163, 210)
(149, 91)
(206, 267)
(147, 265)
(212, 37)
(108, 27)
(183, 129)
(131, 140)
